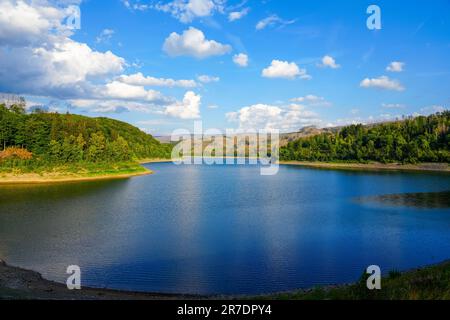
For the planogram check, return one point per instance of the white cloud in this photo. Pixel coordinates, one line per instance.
(62, 68)
(193, 43)
(395, 66)
(105, 35)
(213, 106)
(284, 69)
(236, 15)
(393, 105)
(24, 23)
(312, 100)
(135, 6)
(207, 79)
(120, 90)
(241, 59)
(72, 61)
(271, 21)
(39, 58)
(382, 82)
(187, 10)
(141, 80)
(329, 62)
(189, 108)
(262, 116)
(111, 105)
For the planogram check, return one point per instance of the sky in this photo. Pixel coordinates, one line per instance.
(273, 64)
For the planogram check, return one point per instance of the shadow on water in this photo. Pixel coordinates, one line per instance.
(225, 229)
(12, 194)
(423, 200)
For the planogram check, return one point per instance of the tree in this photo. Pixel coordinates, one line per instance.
(97, 146)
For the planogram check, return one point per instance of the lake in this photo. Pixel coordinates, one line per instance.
(225, 229)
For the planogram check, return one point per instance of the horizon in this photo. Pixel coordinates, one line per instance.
(161, 65)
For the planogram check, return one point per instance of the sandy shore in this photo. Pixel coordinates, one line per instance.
(34, 178)
(45, 178)
(436, 167)
(144, 161)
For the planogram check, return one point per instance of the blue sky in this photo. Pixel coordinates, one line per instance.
(286, 83)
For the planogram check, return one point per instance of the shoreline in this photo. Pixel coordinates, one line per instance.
(158, 160)
(48, 178)
(18, 283)
(22, 284)
(423, 167)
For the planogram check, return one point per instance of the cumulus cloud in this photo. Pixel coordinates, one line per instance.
(329, 62)
(187, 10)
(111, 105)
(382, 82)
(140, 80)
(38, 57)
(272, 20)
(241, 59)
(23, 23)
(312, 100)
(207, 79)
(193, 43)
(395, 66)
(284, 69)
(64, 68)
(189, 108)
(120, 90)
(262, 116)
(236, 15)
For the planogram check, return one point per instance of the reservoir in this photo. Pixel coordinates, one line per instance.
(225, 229)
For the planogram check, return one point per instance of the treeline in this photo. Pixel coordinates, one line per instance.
(54, 138)
(420, 139)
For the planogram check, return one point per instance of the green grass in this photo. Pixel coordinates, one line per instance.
(430, 283)
(86, 169)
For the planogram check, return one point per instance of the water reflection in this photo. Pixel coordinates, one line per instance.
(421, 200)
(223, 229)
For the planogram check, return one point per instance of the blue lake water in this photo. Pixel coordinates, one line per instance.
(224, 229)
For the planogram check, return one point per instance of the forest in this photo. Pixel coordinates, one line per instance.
(48, 139)
(413, 140)
(43, 139)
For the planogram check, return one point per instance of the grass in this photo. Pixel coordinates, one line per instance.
(429, 283)
(76, 171)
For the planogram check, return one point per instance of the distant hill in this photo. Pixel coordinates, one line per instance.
(305, 132)
(69, 138)
(420, 139)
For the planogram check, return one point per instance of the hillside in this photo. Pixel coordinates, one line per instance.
(39, 139)
(420, 139)
(305, 132)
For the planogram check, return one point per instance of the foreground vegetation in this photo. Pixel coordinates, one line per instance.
(414, 140)
(430, 283)
(73, 172)
(41, 142)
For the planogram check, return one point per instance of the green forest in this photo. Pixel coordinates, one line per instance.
(414, 140)
(43, 139)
